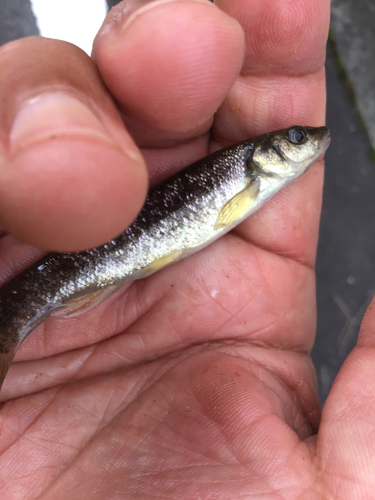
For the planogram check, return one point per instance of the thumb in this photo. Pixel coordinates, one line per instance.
(71, 177)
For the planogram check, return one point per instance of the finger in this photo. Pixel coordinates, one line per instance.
(282, 84)
(345, 441)
(70, 175)
(282, 36)
(169, 65)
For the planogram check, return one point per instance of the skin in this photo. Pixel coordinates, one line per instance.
(197, 382)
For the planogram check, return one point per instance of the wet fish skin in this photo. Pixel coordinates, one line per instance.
(181, 215)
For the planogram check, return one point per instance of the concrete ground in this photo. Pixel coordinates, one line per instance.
(16, 20)
(346, 251)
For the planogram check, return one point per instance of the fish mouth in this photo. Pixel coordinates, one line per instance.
(324, 141)
(322, 144)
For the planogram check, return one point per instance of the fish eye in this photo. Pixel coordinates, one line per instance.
(297, 135)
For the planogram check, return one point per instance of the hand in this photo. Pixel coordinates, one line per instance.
(197, 382)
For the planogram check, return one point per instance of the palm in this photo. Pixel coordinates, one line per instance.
(194, 383)
(177, 374)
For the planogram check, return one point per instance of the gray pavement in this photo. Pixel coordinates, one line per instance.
(346, 251)
(16, 20)
(353, 30)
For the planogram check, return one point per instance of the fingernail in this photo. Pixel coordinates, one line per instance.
(53, 115)
(119, 15)
(153, 5)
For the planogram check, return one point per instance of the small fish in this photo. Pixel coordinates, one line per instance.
(181, 215)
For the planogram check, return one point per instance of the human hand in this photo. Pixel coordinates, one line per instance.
(196, 382)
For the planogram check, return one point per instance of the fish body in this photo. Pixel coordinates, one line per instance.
(181, 215)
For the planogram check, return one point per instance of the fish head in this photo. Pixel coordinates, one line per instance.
(288, 153)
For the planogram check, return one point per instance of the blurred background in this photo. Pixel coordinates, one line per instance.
(346, 251)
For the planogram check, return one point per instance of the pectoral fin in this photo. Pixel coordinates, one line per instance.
(238, 206)
(75, 307)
